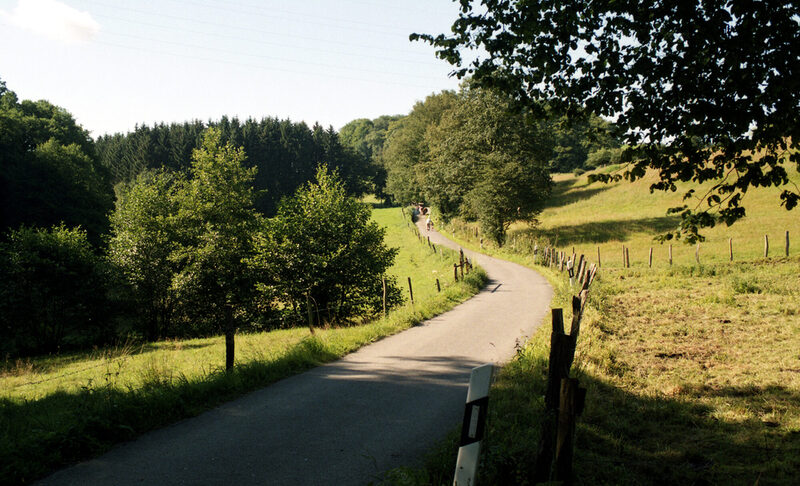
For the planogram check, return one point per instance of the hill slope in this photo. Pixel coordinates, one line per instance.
(692, 370)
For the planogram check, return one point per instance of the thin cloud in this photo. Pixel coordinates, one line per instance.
(54, 19)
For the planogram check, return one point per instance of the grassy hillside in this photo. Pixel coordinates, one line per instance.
(58, 409)
(693, 371)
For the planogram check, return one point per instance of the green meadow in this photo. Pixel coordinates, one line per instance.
(692, 370)
(59, 409)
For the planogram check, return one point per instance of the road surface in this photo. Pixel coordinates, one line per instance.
(346, 422)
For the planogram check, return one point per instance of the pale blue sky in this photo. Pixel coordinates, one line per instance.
(114, 64)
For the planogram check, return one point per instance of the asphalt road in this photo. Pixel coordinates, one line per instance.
(343, 423)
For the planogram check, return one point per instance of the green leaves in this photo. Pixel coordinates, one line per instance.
(323, 244)
(701, 90)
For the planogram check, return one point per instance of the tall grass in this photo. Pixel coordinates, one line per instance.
(58, 409)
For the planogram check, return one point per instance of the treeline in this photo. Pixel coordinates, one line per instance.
(479, 155)
(285, 154)
(109, 240)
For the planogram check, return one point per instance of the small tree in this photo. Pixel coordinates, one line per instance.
(322, 245)
(144, 235)
(217, 222)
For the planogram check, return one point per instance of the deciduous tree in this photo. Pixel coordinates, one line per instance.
(702, 91)
(322, 245)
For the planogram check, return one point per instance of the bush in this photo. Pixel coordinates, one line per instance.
(322, 245)
(55, 294)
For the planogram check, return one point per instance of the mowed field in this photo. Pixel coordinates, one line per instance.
(692, 370)
(58, 409)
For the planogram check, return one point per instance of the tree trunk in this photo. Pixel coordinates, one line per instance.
(230, 331)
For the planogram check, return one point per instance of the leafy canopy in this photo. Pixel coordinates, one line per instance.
(487, 161)
(702, 91)
(322, 245)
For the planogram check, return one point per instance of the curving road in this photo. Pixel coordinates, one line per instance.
(343, 423)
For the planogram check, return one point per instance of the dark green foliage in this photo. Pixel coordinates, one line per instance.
(56, 293)
(144, 236)
(322, 245)
(700, 90)
(284, 153)
(487, 162)
(215, 222)
(48, 173)
(576, 141)
(405, 147)
(367, 138)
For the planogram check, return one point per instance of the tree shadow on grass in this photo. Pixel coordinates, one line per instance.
(631, 439)
(563, 194)
(601, 231)
(624, 438)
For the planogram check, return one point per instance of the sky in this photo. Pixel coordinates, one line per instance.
(115, 64)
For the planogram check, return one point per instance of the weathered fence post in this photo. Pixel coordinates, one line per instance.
(571, 401)
(787, 243)
(438, 287)
(697, 253)
(627, 257)
(623, 256)
(410, 291)
(650, 258)
(598, 256)
(455, 272)
(730, 247)
(766, 246)
(670, 254)
(562, 352)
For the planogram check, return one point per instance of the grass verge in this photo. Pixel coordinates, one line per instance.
(60, 409)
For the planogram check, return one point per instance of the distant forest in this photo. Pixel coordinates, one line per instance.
(286, 154)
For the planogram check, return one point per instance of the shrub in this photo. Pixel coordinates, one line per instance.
(55, 293)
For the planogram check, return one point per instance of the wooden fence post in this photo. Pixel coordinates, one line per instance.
(598, 256)
(571, 402)
(438, 287)
(670, 254)
(455, 272)
(623, 256)
(766, 246)
(697, 253)
(730, 247)
(627, 257)
(410, 291)
(562, 353)
(650, 258)
(787, 243)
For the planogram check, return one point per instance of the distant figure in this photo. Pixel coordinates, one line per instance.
(428, 223)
